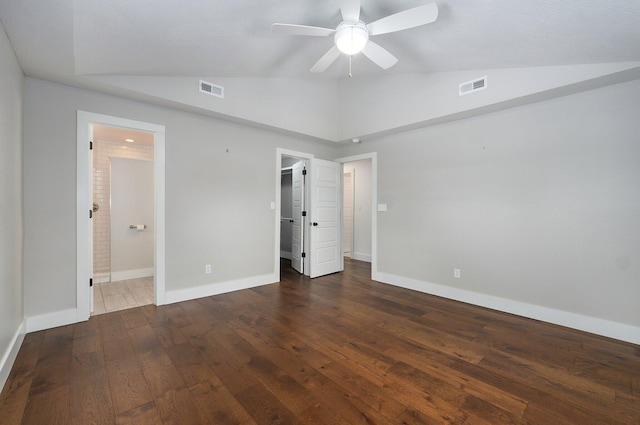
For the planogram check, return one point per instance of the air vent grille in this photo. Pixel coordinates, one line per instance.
(473, 86)
(212, 89)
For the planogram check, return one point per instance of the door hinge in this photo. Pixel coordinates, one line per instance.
(304, 213)
(304, 171)
(90, 282)
(90, 145)
(90, 213)
(304, 254)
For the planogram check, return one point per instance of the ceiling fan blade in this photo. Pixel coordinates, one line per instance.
(350, 10)
(410, 18)
(379, 55)
(291, 29)
(326, 60)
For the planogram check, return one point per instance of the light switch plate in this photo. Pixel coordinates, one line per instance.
(382, 207)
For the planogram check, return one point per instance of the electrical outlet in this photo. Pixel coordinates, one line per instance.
(207, 268)
(456, 273)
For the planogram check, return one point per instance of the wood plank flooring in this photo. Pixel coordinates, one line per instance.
(341, 349)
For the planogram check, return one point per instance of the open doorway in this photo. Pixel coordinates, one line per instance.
(86, 123)
(123, 219)
(316, 244)
(362, 171)
(294, 195)
(357, 209)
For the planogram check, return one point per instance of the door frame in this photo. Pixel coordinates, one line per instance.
(280, 153)
(373, 156)
(84, 249)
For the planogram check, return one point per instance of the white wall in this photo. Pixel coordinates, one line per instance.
(304, 106)
(375, 105)
(361, 249)
(220, 181)
(131, 204)
(539, 206)
(11, 103)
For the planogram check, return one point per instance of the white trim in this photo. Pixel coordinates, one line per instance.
(285, 254)
(101, 278)
(83, 250)
(360, 257)
(373, 156)
(9, 356)
(51, 320)
(187, 294)
(159, 262)
(619, 331)
(131, 274)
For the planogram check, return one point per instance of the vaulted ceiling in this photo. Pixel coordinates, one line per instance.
(137, 48)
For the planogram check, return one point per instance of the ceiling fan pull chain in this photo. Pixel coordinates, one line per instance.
(350, 57)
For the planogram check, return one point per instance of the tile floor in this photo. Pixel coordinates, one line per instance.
(113, 296)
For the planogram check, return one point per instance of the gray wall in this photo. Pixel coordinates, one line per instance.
(538, 204)
(11, 102)
(220, 180)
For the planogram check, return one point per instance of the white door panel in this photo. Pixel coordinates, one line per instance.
(91, 306)
(326, 244)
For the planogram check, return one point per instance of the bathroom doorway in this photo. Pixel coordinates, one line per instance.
(87, 122)
(123, 230)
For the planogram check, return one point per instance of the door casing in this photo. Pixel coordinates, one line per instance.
(84, 194)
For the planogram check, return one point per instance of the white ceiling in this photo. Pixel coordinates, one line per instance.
(60, 40)
(120, 135)
(156, 50)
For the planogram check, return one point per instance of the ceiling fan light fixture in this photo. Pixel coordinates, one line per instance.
(351, 39)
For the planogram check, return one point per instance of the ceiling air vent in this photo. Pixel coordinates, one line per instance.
(473, 86)
(211, 89)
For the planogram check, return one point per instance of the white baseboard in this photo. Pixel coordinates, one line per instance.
(52, 320)
(10, 354)
(286, 254)
(131, 274)
(615, 330)
(219, 288)
(101, 277)
(361, 257)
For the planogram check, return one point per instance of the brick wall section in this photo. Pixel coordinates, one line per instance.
(102, 152)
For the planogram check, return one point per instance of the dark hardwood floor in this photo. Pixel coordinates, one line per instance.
(341, 349)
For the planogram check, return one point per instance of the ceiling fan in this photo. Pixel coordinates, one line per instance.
(352, 35)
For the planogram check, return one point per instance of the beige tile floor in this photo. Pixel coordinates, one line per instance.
(123, 294)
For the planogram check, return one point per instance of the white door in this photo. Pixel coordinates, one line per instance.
(297, 236)
(91, 146)
(324, 222)
(131, 206)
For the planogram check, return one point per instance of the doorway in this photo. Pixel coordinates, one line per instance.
(316, 245)
(294, 194)
(86, 124)
(123, 230)
(358, 209)
(363, 171)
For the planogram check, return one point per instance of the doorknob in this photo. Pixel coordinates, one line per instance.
(314, 224)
